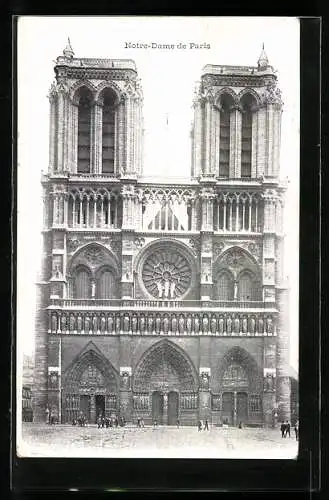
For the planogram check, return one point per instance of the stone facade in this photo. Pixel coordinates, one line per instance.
(162, 301)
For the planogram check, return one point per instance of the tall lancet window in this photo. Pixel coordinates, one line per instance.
(108, 132)
(84, 132)
(247, 102)
(224, 136)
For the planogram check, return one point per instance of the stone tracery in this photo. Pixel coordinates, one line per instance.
(166, 274)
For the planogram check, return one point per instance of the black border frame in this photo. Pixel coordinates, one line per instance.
(31, 475)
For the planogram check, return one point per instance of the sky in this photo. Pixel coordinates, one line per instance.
(168, 78)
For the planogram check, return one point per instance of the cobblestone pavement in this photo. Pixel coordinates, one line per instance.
(163, 441)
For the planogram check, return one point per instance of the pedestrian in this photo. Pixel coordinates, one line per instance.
(142, 423)
(47, 415)
(287, 428)
(240, 425)
(155, 423)
(296, 427)
(138, 422)
(99, 422)
(206, 425)
(200, 425)
(283, 430)
(116, 422)
(178, 423)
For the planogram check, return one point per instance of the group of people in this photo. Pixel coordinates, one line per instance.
(204, 425)
(110, 421)
(81, 421)
(140, 422)
(286, 428)
(51, 417)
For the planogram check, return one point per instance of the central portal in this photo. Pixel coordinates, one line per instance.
(157, 407)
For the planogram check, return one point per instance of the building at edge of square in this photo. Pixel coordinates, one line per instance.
(157, 299)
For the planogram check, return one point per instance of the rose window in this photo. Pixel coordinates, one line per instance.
(166, 274)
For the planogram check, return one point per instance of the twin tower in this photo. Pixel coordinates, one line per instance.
(162, 300)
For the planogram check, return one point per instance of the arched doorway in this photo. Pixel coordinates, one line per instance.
(173, 409)
(90, 387)
(157, 407)
(240, 386)
(168, 377)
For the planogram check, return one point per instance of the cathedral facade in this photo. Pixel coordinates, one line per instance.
(162, 300)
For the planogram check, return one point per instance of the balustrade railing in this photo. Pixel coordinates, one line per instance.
(153, 303)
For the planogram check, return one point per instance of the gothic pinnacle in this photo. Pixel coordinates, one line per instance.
(263, 59)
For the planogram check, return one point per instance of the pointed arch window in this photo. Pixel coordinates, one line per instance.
(224, 136)
(225, 286)
(248, 287)
(108, 132)
(106, 285)
(247, 102)
(81, 283)
(84, 131)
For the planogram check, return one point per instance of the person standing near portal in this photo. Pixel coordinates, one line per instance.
(206, 426)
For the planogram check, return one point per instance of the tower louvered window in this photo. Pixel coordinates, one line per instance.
(84, 132)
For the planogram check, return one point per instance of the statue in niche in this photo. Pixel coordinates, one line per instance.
(142, 323)
(205, 324)
(134, 323)
(269, 382)
(118, 324)
(126, 323)
(110, 322)
(150, 324)
(103, 323)
(260, 325)
(221, 325)
(196, 324)
(63, 323)
(95, 324)
(87, 324)
(244, 325)
(165, 324)
(189, 324)
(72, 322)
(229, 324)
(125, 380)
(204, 380)
(236, 325)
(252, 324)
(213, 325)
(269, 325)
(181, 324)
(160, 289)
(158, 324)
(53, 379)
(93, 289)
(79, 323)
(54, 322)
(57, 273)
(174, 324)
